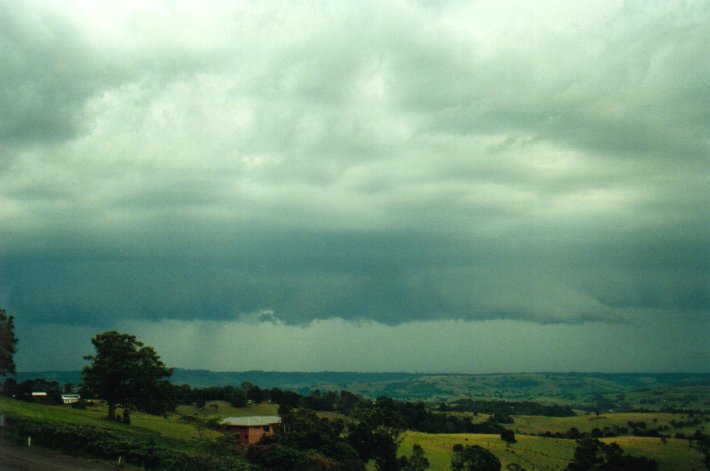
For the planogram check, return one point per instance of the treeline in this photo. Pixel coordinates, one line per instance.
(388, 412)
(309, 442)
(24, 390)
(633, 428)
(507, 408)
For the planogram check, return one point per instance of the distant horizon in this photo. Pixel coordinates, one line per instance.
(414, 372)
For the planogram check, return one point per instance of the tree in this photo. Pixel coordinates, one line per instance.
(508, 436)
(473, 458)
(591, 454)
(417, 462)
(702, 444)
(8, 343)
(125, 372)
(376, 442)
(9, 387)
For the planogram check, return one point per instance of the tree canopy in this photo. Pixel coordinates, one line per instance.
(508, 436)
(124, 371)
(8, 343)
(591, 454)
(473, 458)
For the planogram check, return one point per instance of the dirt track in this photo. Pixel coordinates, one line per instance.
(21, 458)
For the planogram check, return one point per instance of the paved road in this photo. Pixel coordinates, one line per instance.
(21, 458)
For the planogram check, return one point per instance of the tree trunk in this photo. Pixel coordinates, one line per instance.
(111, 410)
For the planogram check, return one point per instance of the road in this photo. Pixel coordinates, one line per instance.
(21, 458)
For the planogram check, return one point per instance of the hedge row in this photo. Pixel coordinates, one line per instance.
(105, 444)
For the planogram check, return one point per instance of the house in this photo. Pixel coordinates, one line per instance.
(249, 430)
(70, 398)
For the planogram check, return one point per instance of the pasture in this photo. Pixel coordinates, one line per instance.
(530, 452)
(171, 431)
(541, 453)
(586, 423)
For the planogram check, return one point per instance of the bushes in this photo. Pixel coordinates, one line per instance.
(105, 444)
(591, 454)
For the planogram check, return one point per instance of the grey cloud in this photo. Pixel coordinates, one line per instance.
(389, 277)
(44, 80)
(399, 162)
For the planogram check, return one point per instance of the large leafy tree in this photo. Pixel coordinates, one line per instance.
(473, 458)
(417, 462)
(124, 371)
(8, 343)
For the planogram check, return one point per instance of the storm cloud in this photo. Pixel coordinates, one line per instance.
(388, 162)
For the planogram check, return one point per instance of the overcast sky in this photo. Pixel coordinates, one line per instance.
(397, 185)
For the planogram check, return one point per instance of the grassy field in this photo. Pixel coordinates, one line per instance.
(170, 427)
(172, 431)
(529, 452)
(585, 423)
(539, 453)
(674, 455)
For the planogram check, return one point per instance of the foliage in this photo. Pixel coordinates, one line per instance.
(306, 442)
(508, 436)
(8, 343)
(184, 394)
(702, 444)
(490, 425)
(125, 372)
(507, 408)
(384, 411)
(591, 454)
(25, 389)
(473, 458)
(417, 462)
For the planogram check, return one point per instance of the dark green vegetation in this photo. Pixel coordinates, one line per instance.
(125, 372)
(8, 343)
(591, 454)
(507, 408)
(473, 458)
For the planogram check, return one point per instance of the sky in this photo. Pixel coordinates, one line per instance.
(475, 186)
